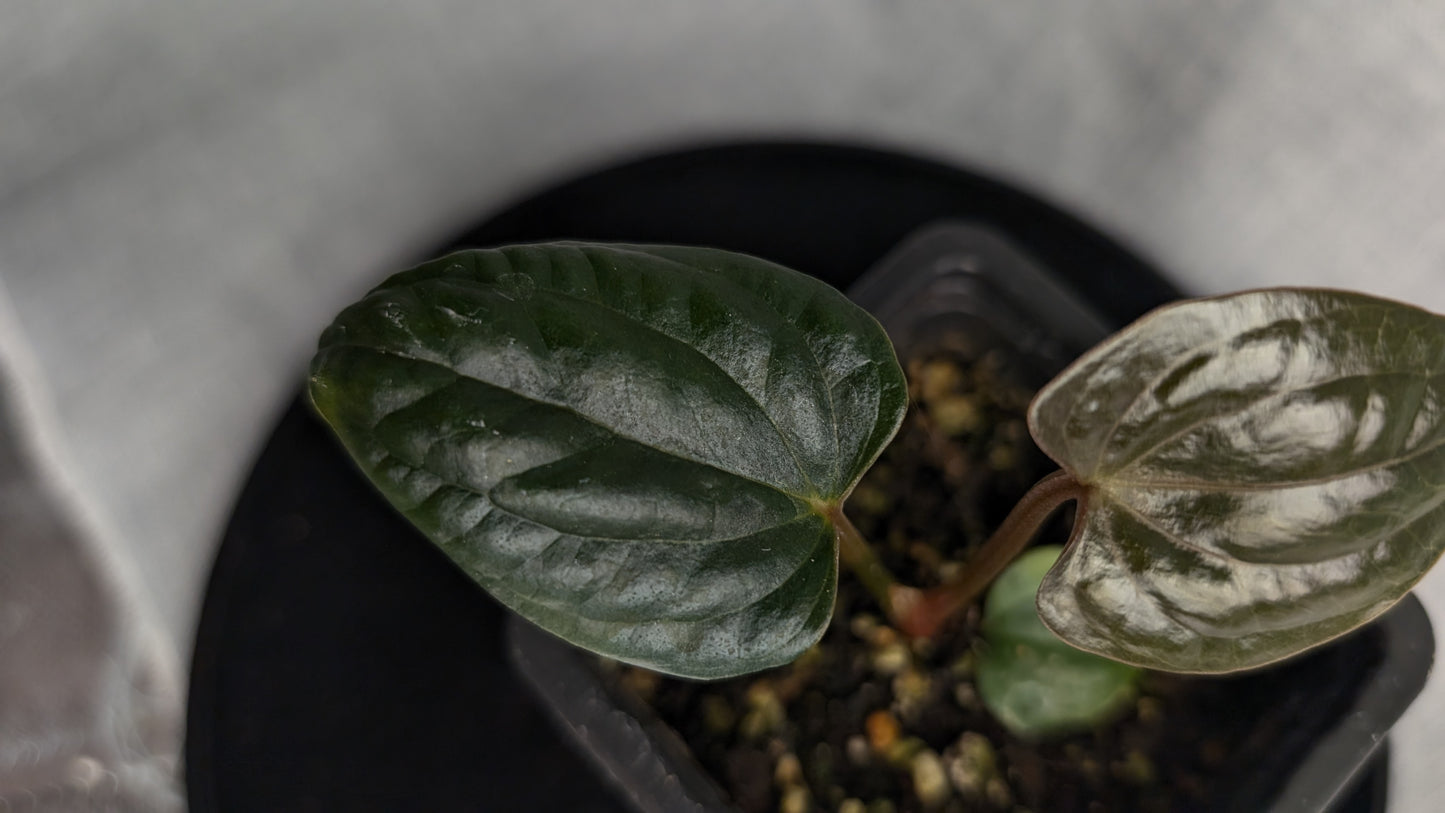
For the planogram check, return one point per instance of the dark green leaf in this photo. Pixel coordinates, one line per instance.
(1266, 471)
(633, 446)
(1033, 683)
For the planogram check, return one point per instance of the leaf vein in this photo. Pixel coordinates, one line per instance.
(694, 271)
(1252, 404)
(1169, 535)
(569, 409)
(1169, 369)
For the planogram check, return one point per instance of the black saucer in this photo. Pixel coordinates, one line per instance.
(342, 664)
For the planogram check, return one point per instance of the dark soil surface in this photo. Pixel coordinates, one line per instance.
(870, 722)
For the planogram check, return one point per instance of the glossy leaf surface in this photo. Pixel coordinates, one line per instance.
(1029, 680)
(632, 446)
(1265, 472)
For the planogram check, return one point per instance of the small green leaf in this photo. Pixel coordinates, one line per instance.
(635, 447)
(1265, 472)
(1033, 683)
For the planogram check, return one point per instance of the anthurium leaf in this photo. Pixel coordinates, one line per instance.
(1033, 683)
(1265, 471)
(635, 447)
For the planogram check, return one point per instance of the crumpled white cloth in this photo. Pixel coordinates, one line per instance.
(188, 190)
(90, 706)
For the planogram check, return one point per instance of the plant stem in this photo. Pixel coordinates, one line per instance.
(855, 552)
(920, 613)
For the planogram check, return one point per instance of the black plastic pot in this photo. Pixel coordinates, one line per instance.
(342, 663)
(1339, 700)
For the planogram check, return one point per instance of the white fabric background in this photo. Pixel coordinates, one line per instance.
(187, 190)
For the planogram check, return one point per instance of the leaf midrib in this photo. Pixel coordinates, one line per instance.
(801, 500)
(1214, 486)
(1414, 516)
(460, 539)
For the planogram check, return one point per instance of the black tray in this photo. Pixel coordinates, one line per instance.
(341, 663)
